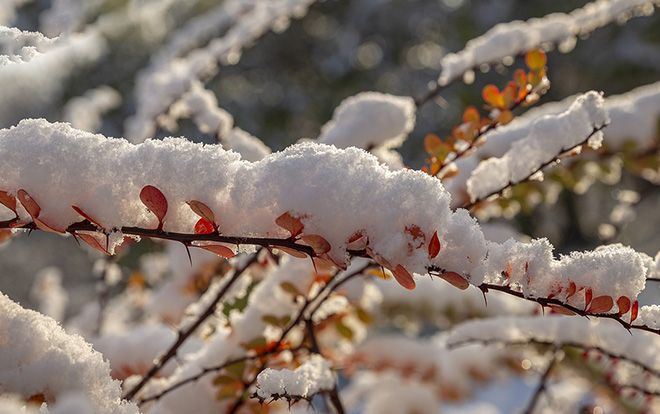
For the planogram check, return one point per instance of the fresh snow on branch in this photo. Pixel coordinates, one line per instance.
(160, 86)
(633, 118)
(514, 38)
(312, 377)
(18, 46)
(38, 357)
(370, 119)
(247, 198)
(548, 137)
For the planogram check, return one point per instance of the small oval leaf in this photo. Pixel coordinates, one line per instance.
(93, 242)
(404, 278)
(291, 224)
(623, 303)
(29, 203)
(434, 245)
(456, 280)
(219, 249)
(203, 226)
(318, 243)
(601, 304)
(634, 311)
(86, 216)
(8, 200)
(202, 210)
(155, 201)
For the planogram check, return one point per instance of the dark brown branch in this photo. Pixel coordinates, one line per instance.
(186, 332)
(543, 383)
(568, 344)
(540, 168)
(555, 302)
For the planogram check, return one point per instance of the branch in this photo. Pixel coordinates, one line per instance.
(542, 383)
(471, 205)
(485, 287)
(184, 334)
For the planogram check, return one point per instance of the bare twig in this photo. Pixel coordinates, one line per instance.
(186, 332)
(540, 389)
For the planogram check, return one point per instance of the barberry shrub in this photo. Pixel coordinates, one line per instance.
(334, 275)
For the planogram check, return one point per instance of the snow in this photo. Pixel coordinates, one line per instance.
(85, 112)
(18, 46)
(49, 295)
(312, 377)
(548, 137)
(248, 197)
(370, 119)
(633, 117)
(516, 37)
(163, 83)
(37, 356)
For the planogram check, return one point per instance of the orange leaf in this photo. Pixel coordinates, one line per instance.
(86, 216)
(93, 242)
(202, 210)
(491, 95)
(505, 117)
(588, 294)
(318, 243)
(203, 226)
(291, 224)
(471, 115)
(434, 245)
(155, 201)
(456, 280)
(624, 305)
(634, 311)
(520, 77)
(404, 278)
(219, 249)
(8, 201)
(535, 59)
(358, 241)
(601, 304)
(433, 144)
(46, 227)
(30, 204)
(509, 94)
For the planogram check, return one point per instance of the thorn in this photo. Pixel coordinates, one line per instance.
(75, 238)
(188, 251)
(483, 293)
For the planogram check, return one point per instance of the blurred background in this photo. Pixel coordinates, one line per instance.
(286, 86)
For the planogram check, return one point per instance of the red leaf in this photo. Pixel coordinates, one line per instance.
(456, 280)
(46, 227)
(560, 309)
(572, 288)
(434, 245)
(202, 210)
(219, 249)
(357, 241)
(8, 201)
(624, 305)
(634, 311)
(492, 96)
(601, 304)
(30, 204)
(155, 201)
(318, 243)
(588, 294)
(93, 242)
(292, 252)
(86, 216)
(471, 115)
(291, 224)
(203, 226)
(404, 278)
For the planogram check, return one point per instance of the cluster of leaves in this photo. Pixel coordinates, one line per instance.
(524, 90)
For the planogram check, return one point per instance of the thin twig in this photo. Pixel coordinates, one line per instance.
(543, 382)
(555, 158)
(185, 333)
